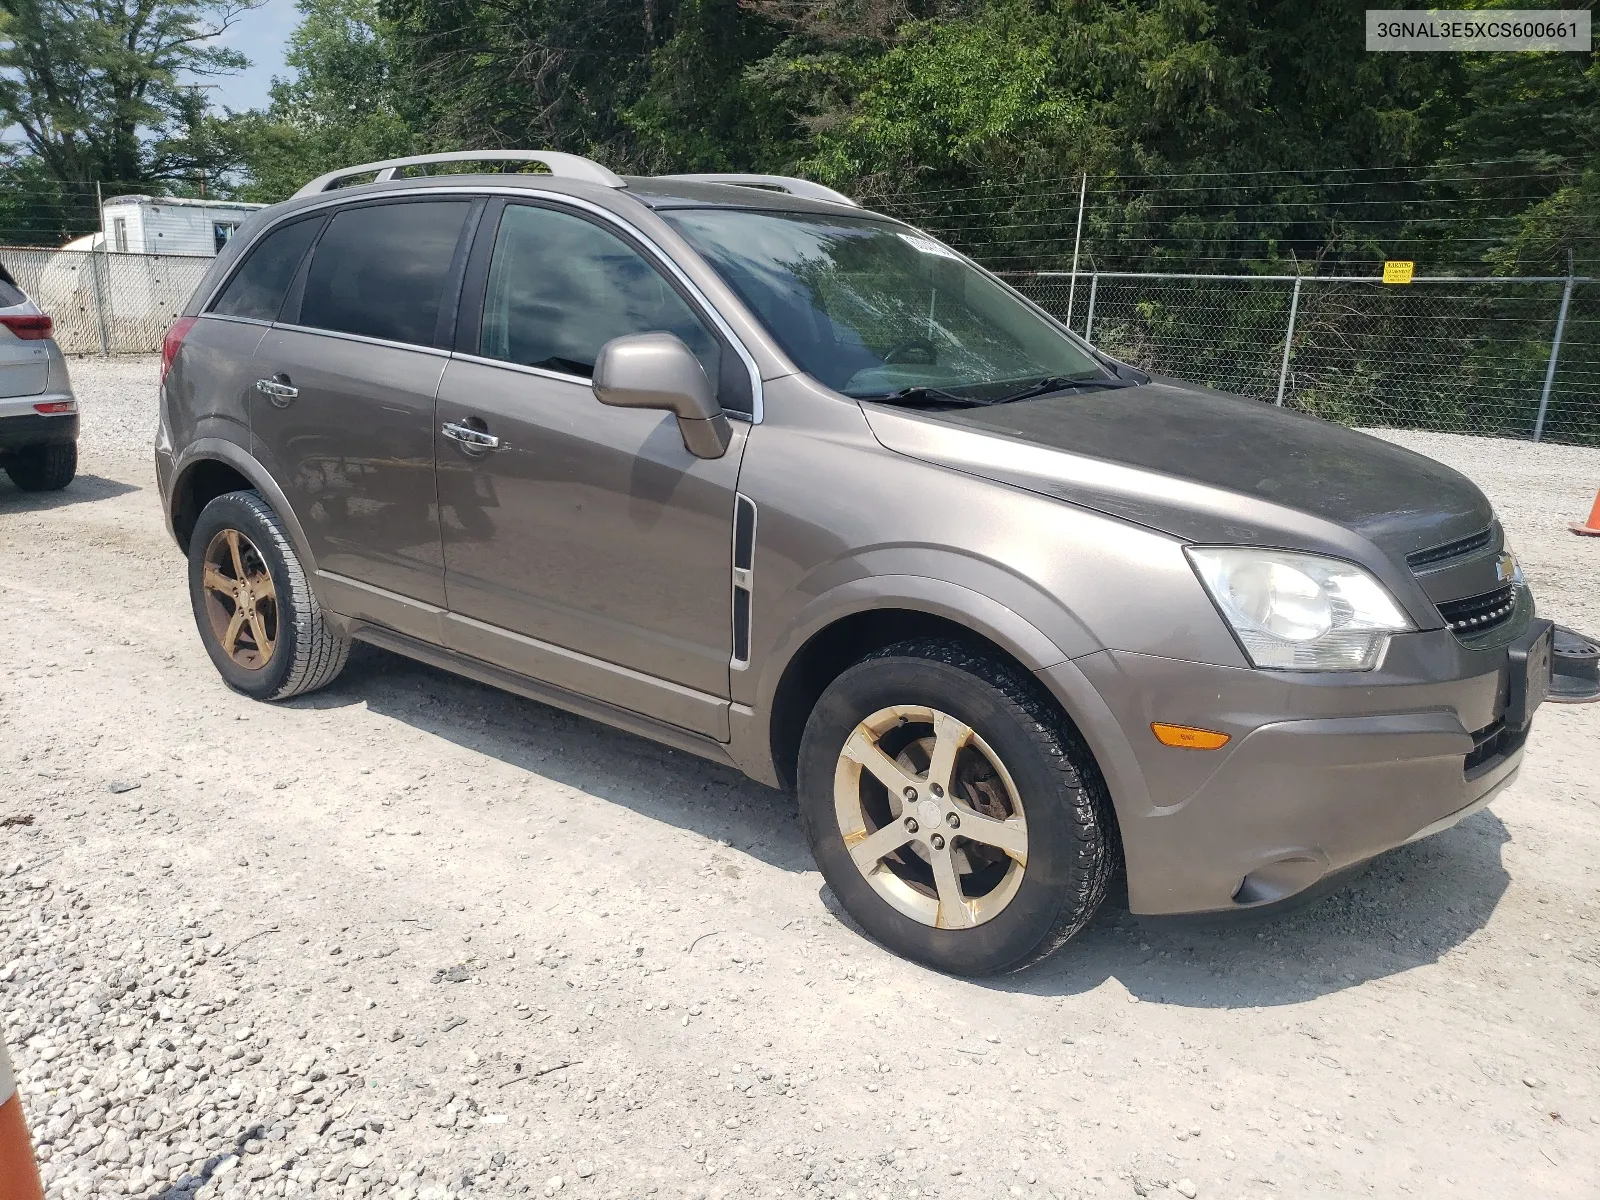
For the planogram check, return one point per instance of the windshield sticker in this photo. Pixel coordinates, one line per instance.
(924, 245)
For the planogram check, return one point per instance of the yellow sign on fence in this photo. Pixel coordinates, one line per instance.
(1395, 271)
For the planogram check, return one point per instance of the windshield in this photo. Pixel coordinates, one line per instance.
(874, 309)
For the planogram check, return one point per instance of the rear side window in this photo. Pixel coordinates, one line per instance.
(381, 270)
(10, 293)
(259, 285)
(560, 287)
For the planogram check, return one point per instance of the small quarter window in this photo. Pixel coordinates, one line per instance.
(259, 285)
(560, 287)
(381, 270)
(10, 294)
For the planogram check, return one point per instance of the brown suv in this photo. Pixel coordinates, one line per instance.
(733, 464)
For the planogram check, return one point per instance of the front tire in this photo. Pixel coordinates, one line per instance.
(44, 468)
(257, 615)
(954, 812)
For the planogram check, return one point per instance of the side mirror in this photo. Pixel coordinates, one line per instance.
(656, 370)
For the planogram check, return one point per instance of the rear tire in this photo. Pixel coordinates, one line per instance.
(1023, 814)
(269, 638)
(44, 468)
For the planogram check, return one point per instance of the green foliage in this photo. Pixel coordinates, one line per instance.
(343, 105)
(36, 208)
(94, 89)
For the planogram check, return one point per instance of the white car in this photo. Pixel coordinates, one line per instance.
(38, 412)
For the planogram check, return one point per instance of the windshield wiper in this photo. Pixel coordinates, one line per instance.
(922, 395)
(916, 396)
(1060, 383)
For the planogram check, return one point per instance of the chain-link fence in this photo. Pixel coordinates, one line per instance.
(106, 303)
(1510, 357)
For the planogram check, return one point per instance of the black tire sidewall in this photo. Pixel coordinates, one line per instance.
(231, 512)
(47, 468)
(1016, 932)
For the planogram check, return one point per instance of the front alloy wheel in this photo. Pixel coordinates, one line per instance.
(931, 817)
(955, 813)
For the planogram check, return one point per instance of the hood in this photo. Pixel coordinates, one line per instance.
(1203, 466)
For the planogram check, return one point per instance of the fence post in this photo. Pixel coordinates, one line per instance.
(1088, 326)
(1072, 290)
(100, 288)
(1288, 339)
(1555, 355)
(100, 314)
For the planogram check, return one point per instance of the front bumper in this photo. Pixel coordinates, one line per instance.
(1323, 770)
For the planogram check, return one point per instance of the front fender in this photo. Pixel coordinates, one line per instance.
(876, 592)
(1018, 635)
(983, 616)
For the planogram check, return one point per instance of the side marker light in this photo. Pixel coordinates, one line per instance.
(1186, 737)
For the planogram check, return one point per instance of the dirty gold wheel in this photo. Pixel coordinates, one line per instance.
(954, 812)
(254, 607)
(240, 600)
(931, 817)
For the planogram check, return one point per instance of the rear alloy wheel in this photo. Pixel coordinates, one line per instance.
(44, 468)
(954, 812)
(240, 600)
(254, 607)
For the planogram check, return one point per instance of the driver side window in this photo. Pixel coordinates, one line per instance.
(560, 287)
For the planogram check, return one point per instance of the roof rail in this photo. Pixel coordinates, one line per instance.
(780, 183)
(567, 166)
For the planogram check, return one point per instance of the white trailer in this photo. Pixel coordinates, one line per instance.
(166, 225)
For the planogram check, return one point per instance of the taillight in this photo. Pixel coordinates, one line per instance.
(56, 407)
(171, 343)
(34, 327)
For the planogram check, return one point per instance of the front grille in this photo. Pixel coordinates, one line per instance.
(1478, 613)
(1459, 548)
(1491, 744)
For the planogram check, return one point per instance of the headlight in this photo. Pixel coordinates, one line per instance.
(1300, 612)
(1513, 565)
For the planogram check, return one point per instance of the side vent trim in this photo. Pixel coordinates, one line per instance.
(744, 557)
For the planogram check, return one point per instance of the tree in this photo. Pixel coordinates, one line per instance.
(94, 88)
(639, 84)
(343, 105)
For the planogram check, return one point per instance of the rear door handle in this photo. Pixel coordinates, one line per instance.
(470, 438)
(277, 389)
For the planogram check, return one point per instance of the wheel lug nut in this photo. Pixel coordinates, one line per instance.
(911, 794)
(938, 842)
(936, 790)
(953, 821)
(911, 824)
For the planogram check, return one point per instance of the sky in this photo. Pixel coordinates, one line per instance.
(261, 35)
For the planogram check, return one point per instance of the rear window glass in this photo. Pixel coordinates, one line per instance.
(381, 270)
(258, 286)
(10, 293)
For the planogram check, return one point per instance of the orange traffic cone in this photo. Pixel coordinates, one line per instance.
(1592, 529)
(19, 1174)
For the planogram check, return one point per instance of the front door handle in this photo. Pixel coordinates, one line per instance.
(277, 389)
(471, 439)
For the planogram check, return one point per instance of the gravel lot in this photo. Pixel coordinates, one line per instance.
(414, 937)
